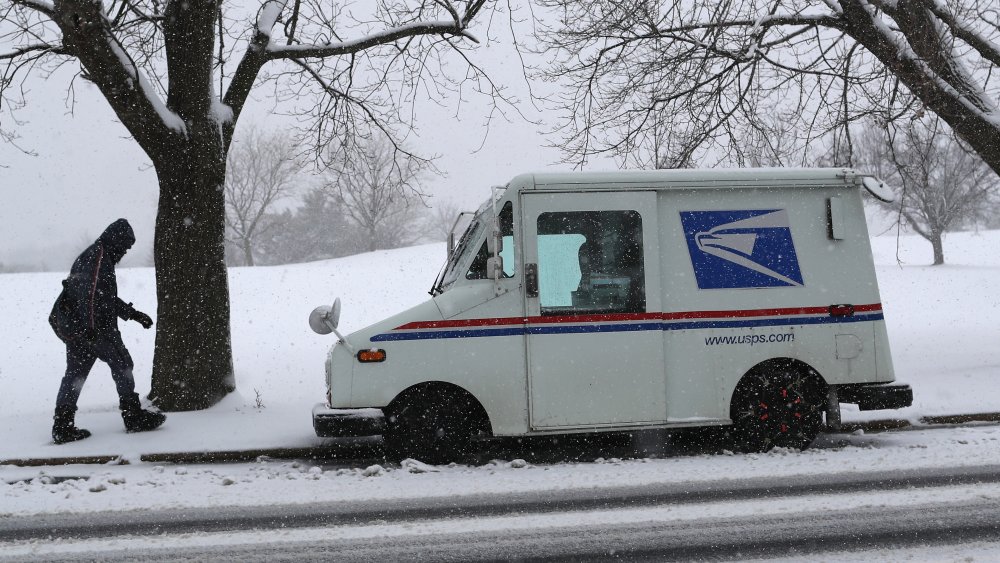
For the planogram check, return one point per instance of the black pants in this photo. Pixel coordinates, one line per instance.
(80, 358)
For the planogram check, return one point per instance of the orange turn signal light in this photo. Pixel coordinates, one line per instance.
(371, 355)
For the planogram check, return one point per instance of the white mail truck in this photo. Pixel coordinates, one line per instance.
(620, 301)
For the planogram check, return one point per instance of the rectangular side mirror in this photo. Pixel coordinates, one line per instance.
(494, 267)
(494, 243)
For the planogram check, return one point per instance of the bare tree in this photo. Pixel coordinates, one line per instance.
(262, 171)
(772, 142)
(177, 74)
(940, 184)
(707, 72)
(440, 219)
(378, 189)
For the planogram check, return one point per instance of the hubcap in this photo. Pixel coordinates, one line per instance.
(783, 410)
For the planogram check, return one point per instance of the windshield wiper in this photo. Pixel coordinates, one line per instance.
(436, 288)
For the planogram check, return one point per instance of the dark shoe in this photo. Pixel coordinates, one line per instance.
(71, 434)
(139, 420)
(64, 426)
(135, 418)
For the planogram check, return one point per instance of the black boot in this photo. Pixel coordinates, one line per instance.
(138, 420)
(64, 426)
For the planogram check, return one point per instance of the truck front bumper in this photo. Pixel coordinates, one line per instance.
(347, 423)
(877, 397)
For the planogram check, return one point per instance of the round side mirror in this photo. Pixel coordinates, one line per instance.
(325, 319)
(318, 318)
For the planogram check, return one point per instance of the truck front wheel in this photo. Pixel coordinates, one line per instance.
(779, 406)
(434, 431)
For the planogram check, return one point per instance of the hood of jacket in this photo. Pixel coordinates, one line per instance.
(117, 238)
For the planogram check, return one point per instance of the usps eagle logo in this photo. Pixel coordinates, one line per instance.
(741, 249)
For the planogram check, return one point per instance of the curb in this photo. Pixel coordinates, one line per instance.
(333, 452)
(882, 425)
(362, 449)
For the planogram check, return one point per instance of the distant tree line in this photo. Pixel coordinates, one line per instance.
(281, 210)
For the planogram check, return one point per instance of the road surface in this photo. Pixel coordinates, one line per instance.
(719, 520)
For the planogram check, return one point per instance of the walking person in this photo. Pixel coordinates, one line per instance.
(85, 317)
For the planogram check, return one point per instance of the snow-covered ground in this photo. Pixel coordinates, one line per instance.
(148, 485)
(278, 359)
(943, 325)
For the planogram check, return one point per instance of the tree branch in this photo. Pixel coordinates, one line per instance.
(39, 49)
(986, 48)
(87, 35)
(39, 6)
(967, 117)
(386, 37)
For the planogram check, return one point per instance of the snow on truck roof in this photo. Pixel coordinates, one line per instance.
(688, 178)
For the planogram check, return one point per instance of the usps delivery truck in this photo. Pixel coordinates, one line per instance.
(620, 301)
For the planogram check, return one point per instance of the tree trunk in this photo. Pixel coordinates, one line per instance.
(247, 253)
(938, 245)
(192, 364)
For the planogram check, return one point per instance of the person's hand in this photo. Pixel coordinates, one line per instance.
(142, 318)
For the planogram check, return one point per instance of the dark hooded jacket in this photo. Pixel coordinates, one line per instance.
(89, 303)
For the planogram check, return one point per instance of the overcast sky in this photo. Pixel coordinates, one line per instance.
(87, 172)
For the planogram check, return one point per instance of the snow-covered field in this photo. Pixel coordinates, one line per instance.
(943, 325)
(277, 357)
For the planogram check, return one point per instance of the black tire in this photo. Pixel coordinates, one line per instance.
(433, 430)
(781, 406)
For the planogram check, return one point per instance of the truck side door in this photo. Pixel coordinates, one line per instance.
(593, 333)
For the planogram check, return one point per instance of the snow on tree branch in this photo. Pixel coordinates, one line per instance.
(268, 16)
(169, 118)
(983, 45)
(835, 6)
(42, 6)
(937, 61)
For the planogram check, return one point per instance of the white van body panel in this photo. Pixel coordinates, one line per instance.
(739, 267)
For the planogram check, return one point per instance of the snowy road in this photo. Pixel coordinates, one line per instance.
(724, 519)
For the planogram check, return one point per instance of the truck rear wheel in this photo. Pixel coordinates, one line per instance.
(778, 406)
(434, 431)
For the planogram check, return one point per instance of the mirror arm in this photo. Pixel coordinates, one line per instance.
(329, 322)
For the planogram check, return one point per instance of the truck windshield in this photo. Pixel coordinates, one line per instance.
(462, 249)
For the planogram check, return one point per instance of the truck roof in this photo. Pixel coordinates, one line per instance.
(688, 178)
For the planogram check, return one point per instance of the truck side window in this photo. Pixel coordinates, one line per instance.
(590, 262)
(477, 271)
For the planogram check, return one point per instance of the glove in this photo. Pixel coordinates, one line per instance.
(141, 318)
